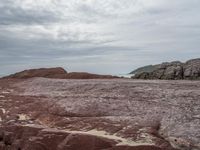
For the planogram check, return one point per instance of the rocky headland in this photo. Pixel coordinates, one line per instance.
(171, 71)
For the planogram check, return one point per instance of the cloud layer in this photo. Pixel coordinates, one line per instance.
(107, 36)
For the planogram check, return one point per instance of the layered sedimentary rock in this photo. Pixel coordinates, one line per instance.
(173, 71)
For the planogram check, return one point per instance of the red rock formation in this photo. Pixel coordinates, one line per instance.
(57, 73)
(42, 72)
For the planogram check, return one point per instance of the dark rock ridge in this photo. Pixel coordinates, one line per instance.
(85, 75)
(57, 73)
(173, 71)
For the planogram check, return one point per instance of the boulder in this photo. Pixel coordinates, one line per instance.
(169, 71)
(192, 69)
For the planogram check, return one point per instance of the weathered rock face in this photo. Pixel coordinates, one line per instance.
(173, 71)
(168, 71)
(192, 69)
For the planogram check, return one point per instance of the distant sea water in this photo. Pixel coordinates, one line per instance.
(125, 75)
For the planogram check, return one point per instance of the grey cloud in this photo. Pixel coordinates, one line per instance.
(11, 14)
(107, 36)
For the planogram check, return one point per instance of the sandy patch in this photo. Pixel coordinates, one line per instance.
(23, 117)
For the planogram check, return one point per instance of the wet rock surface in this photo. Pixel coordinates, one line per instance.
(173, 71)
(118, 114)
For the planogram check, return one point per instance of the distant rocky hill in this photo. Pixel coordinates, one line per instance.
(41, 72)
(172, 71)
(148, 68)
(57, 73)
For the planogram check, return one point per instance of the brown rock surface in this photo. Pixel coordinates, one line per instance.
(85, 75)
(57, 73)
(118, 114)
(42, 72)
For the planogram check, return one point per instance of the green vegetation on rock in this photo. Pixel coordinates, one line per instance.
(148, 68)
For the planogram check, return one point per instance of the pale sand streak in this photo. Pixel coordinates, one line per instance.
(104, 134)
(3, 110)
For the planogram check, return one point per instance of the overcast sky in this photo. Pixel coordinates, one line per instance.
(98, 36)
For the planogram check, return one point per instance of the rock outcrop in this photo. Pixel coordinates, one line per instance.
(192, 69)
(56, 73)
(173, 71)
